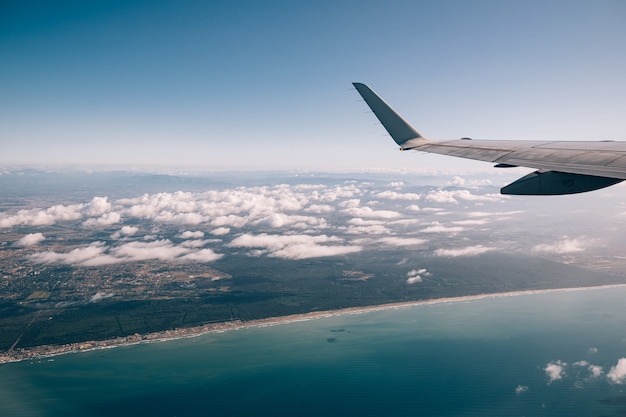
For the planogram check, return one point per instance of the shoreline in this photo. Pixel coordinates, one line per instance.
(48, 351)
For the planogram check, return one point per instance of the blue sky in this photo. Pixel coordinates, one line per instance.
(266, 84)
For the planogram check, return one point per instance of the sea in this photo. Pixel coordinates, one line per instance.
(552, 353)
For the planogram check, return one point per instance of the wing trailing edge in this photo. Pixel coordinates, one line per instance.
(562, 167)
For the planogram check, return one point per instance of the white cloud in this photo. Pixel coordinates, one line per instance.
(401, 241)
(125, 231)
(466, 251)
(520, 389)
(617, 373)
(369, 213)
(393, 195)
(74, 257)
(453, 196)
(462, 182)
(98, 253)
(188, 234)
(204, 255)
(98, 206)
(439, 228)
(375, 229)
(470, 222)
(565, 245)
(278, 220)
(493, 215)
(416, 275)
(555, 371)
(221, 231)
(30, 240)
(596, 371)
(294, 246)
(413, 207)
(196, 243)
(106, 219)
(41, 217)
(319, 208)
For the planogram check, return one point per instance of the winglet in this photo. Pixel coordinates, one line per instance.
(399, 129)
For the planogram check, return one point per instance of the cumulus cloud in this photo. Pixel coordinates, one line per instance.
(520, 389)
(555, 371)
(413, 207)
(401, 241)
(188, 234)
(98, 206)
(462, 182)
(294, 246)
(370, 213)
(393, 195)
(106, 219)
(416, 275)
(565, 245)
(76, 256)
(220, 231)
(195, 243)
(375, 229)
(125, 231)
(437, 227)
(595, 370)
(319, 208)
(453, 196)
(617, 373)
(30, 240)
(98, 253)
(470, 222)
(466, 251)
(493, 215)
(42, 217)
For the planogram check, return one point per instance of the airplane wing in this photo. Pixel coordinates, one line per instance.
(562, 167)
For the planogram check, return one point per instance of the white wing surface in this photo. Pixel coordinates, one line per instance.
(562, 167)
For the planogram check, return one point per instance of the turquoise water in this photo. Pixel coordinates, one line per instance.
(468, 358)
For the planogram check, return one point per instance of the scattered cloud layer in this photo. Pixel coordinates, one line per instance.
(301, 221)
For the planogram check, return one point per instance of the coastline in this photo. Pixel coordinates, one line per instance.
(48, 351)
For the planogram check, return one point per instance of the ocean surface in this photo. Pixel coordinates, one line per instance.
(545, 354)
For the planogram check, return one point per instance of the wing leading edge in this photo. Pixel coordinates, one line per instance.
(562, 167)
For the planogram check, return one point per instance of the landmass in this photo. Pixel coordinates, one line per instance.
(98, 260)
(46, 351)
